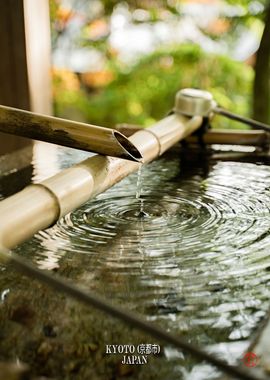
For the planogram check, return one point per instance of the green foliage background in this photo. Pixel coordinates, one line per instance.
(145, 92)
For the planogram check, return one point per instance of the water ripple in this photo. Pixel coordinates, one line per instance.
(192, 251)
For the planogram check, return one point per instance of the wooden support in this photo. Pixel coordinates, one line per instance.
(25, 60)
(38, 52)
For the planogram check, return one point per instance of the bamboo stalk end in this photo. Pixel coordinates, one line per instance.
(132, 153)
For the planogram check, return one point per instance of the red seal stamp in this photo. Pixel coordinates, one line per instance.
(250, 359)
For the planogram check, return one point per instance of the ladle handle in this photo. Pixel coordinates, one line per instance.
(241, 119)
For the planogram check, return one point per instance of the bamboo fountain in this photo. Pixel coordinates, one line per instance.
(40, 205)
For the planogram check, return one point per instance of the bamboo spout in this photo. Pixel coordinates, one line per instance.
(54, 130)
(39, 206)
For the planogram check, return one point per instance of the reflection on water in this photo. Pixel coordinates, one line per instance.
(197, 261)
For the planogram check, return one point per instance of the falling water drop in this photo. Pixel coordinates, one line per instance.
(142, 214)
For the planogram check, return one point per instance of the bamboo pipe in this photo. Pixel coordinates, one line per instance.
(232, 137)
(219, 136)
(69, 133)
(39, 206)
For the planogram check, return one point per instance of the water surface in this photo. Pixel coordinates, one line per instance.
(186, 244)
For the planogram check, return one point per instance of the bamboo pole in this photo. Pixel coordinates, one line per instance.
(233, 137)
(39, 206)
(69, 133)
(218, 136)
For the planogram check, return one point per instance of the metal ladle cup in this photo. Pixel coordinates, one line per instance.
(194, 102)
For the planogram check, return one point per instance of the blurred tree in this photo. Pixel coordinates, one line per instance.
(252, 10)
(96, 32)
(145, 93)
(261, 87)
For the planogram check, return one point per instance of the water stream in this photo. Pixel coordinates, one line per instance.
(190, 251)
(141, 213)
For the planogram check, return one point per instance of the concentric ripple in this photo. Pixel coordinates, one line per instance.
(193, 251)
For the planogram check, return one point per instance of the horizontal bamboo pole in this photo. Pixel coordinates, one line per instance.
(39, 206)
(219, 136)
(233, 137)
(69, 133)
